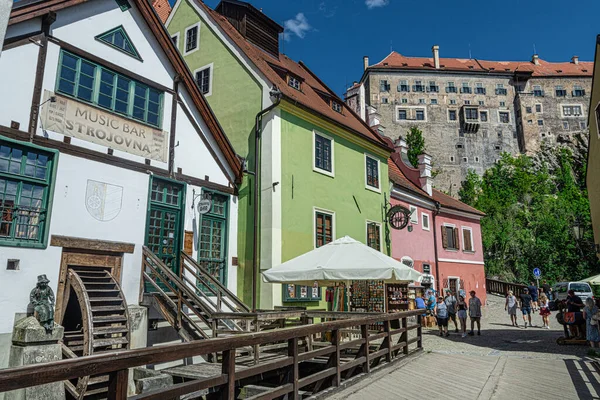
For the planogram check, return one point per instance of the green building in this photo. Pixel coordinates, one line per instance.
(323, 171)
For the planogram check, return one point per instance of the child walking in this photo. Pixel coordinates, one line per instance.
(545, 311)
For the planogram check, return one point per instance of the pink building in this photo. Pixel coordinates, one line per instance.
(443, 237)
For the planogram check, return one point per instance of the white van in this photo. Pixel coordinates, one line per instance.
(582, 289)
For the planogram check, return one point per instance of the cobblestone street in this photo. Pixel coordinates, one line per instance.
(504, 362)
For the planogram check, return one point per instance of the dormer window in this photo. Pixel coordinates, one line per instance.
(337, 107)
(294, 82)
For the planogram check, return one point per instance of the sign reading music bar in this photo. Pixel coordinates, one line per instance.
(85, 122)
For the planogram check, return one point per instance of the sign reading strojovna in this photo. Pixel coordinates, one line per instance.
(85, 122)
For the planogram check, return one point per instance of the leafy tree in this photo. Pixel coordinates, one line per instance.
(531, 206)
(415, 144)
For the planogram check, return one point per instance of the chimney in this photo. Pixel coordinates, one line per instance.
(535, 59)
(365, 62)
(436, 56)
(425, 178)
(575, 60)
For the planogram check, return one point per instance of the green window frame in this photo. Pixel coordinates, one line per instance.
(118, 39)
(323, 153)
(372, 166)
(212, 238)
(123, 4)
(27, 174)
(92, 83)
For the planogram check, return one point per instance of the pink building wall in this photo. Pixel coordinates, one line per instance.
(417, 244)
(460, 222)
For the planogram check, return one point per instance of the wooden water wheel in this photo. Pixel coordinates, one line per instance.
(95, 321)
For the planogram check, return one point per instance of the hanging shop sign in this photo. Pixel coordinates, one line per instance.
(204, 206)
(85, 122)
(398, 217)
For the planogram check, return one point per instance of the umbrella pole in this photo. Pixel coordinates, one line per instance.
(348, 295)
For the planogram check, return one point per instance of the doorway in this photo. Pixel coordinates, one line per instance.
(454, 285)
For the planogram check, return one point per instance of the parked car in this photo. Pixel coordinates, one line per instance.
(582, 289)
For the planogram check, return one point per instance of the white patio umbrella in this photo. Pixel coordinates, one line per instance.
(342, 260)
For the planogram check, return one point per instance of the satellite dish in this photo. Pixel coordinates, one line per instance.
(204, 206)
(409, 262)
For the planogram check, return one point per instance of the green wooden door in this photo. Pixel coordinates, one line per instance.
(163, 228)
(212, 241)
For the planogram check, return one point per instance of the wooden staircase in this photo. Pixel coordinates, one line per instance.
(189, 300)
(97, 323)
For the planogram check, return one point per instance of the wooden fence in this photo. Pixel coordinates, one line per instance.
(329, 365)
(502, 288)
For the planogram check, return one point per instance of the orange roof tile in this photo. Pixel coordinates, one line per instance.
(545, 68)
(163, 9)
(312, 87)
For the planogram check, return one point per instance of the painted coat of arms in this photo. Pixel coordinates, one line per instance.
(102, 200)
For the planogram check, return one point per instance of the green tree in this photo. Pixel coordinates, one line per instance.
(415, 144)
(531, 206)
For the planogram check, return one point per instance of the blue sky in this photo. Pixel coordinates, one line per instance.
(332, 36)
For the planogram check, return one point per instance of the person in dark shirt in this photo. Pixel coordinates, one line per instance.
(526, 301)
(533, 292)
(546, 288)
(574, 302)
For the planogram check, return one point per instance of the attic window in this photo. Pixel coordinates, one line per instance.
(385, 64)
(584, 70)
(442, 66)
(118, 39)
(559, 70)
(337, 107)
(294, 82)
(492, 69)
(404, 64)
(507, 69)
(470, 67)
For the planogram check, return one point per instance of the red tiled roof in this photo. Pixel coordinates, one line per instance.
(545, 68)
(400, 179)
(310, 96)
(163, 9)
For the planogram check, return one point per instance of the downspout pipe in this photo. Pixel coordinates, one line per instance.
(435, 249)
(276, 94)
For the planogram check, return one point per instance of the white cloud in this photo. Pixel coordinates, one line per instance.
(296, 26)
(376, 3)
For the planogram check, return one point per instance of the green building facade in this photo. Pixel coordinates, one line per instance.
(323, 173)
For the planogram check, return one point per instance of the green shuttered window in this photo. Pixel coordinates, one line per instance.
(25, 179)
(95, 84)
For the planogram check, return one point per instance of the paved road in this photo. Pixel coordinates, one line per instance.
(503, 363)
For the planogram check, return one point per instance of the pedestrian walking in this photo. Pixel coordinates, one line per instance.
(461, 306)
(441, 314)
(533, 292)
(511, 307)
(574, 305)
(592, 330)
(450, 301)
(546, 288)
(475, 313)
(526, 302)
(545, 310)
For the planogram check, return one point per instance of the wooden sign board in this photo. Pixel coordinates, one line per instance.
(188, 243)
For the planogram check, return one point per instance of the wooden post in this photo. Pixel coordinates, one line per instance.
(218, 300)
(364, 330)
(179, 309)
(295, 375)
(419, 332)
(404, 336)
(389, 343)
(117, 385)
(256, 347)
(228, 367)
(335, 339)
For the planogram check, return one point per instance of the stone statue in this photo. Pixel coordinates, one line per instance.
(42, 299)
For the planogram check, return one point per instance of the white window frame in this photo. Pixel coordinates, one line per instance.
(488, 116)
(367, 222)
(289, 80)
(453, 121)
(367, 186)
(453, 226)
(315, 168)
(196, 25)
(503, 111)
(467, 228)
(314, 217)
(335, 106)
(210, 81)
(453, 101)
(541, 108)
(411, 114)
(176, 36)
(425, 216)
(414, 213)
(562, 111)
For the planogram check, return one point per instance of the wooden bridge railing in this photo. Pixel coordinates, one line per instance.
(370, 350)
(502, 288)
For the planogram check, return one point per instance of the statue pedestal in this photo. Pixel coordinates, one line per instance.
(32, 345)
